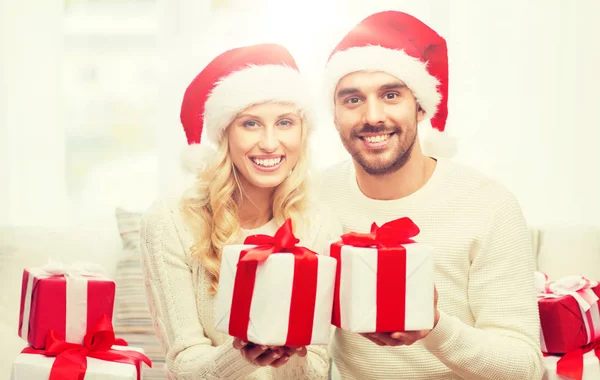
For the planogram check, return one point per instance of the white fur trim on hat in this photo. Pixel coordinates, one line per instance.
(195, 158)
(253, 85)
(412, 71)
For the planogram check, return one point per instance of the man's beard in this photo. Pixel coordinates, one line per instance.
(400, 153)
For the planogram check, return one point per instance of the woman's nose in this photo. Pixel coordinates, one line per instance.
(268, 141)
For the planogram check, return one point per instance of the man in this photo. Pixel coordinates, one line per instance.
(385, 77)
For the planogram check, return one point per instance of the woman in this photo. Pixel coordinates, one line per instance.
(250, 103)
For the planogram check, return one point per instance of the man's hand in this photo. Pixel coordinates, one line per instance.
(404, 338)
(261, 355)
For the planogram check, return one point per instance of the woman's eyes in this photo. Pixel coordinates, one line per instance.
(286, 123)
(280, 123)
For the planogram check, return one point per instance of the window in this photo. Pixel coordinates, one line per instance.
(110, 92)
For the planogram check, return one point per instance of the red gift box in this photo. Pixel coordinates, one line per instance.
(569, 314)
(68, 300)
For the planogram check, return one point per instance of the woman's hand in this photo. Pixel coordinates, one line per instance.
(290, 351)
(261, 355)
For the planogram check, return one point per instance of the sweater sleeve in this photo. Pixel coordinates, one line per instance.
(315, 366)
(170, 292)
(504, 342)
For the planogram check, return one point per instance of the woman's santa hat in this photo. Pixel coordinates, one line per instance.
(403, 46)
(233, 81)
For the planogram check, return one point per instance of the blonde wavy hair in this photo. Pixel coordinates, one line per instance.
(211, 209)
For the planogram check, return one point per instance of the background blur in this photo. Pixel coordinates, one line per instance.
(90, 93)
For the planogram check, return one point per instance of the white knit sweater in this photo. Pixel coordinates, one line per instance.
(183, 311)
(484, 264)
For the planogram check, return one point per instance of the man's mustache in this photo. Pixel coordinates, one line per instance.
(367, 128)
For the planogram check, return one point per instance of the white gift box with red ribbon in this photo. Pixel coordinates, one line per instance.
(274, 292)
(385, 280)
(581, 364)
(33, 366)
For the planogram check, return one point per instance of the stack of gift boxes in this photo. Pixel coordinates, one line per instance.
(570, 326)
(66, 318)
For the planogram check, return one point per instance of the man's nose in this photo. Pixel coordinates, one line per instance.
(374, 113)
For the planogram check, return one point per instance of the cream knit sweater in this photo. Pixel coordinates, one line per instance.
(183, 311)
(484, 266)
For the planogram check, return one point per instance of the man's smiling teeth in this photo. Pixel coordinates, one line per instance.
(376, 139)
(267, 163)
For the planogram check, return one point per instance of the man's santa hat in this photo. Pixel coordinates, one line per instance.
(232, 82)
(403, 46)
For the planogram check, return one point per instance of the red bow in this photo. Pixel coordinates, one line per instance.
(283, 241)
(571, 364)
(71, 358)
(390, 234)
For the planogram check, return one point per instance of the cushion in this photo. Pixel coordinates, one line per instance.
(132, 320)
(566, 250)
(534, 233)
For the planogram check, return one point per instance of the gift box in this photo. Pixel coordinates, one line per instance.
(569, 315)
(29, 366)
(273, 292)
(384, 280)
(580, 364)
(100, 356)
(66, 299)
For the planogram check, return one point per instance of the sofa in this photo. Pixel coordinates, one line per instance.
(559, 251)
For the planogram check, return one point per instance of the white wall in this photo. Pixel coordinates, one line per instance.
(524, 98)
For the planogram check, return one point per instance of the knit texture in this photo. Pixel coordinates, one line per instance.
(183, 311)
(484, 264)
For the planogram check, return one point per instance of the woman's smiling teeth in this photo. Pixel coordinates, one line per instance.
(267, 162)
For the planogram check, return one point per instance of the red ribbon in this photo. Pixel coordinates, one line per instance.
(390, 234)
(304, 284)
(571, 364)
(391, 270)
(71, 358)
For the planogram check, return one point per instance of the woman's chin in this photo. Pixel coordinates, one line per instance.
(270, 181)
